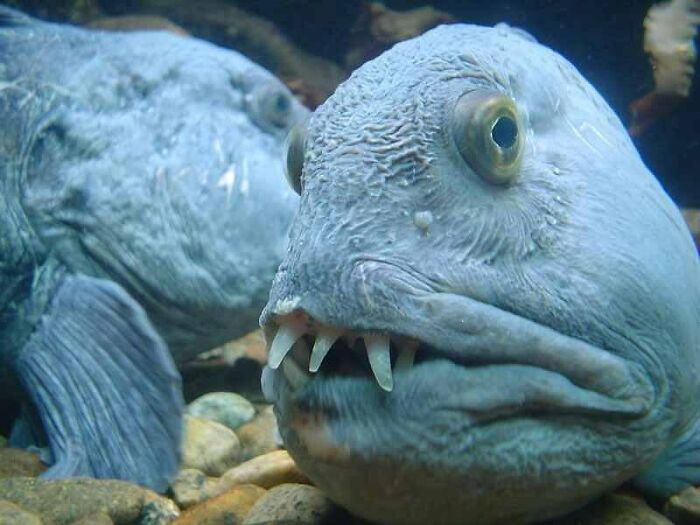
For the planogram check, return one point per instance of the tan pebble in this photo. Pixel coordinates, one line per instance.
(19, 463)
(231, 507)
(615, 509)
(260, 435)
(192, 486)
(294, 503)
(209, 446)
(95, 519)
(61, 502)
(11, 514)
(251, 346)
(269, 470)
(158, 510)
(684, 507)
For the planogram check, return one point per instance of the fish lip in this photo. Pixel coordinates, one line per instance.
(488, 336)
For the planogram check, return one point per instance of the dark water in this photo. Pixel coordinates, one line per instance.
(603, 39)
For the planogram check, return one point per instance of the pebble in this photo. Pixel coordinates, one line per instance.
(15, 462)
(192, 486)
(294, 503)
(269, 470)
(260, 435)
(95, 519)
(209, 446)
(11, 514)
(231, 507)
(615, 509)
(684, 507)
(62, 502)
(227, 408)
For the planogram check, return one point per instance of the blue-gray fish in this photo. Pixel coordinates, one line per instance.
(143, 216)
(491, 304)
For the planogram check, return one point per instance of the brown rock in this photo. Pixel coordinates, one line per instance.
(269, 470)
(251, 346)
(11, 514)
(62, 502)
(19, 463)
(692, 219)
(615, 509)
(684, 508)
(95, 519)
(294, 503)
(136, 23)
(209, 446)
(259, 436)
(231, 507)
(192, 486)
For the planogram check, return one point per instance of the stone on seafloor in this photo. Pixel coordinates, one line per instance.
(11, 514)
(94, 519)
(227, 408)
(251, 346)
(684, 507)
(209, 446)
(158, 510)
(294, 503)
(615, 509)
(692, 219)
(260, 435)
(17, 463)
(192, 486)
(231, 507)
(62, 502)
(269, 470)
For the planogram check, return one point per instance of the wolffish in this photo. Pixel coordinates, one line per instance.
(143, 218)
(497, 301)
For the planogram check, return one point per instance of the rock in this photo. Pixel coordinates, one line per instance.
(684, 507)
(95, 519)
(136, 23)
(11, 514)
(692, 218)
(192, 486)
(294, 503)
(269, 470)
(260, 435)
(227, 408)
(62, 502)
(158, 511)
(231, 507)
(19, 463)
(209, 446)
(615, 509)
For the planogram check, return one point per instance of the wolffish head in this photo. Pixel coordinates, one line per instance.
(487, 285)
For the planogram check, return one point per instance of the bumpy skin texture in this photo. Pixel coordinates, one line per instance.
(562, 308)
(148, 159)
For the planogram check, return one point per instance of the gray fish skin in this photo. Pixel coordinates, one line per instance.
(557, 314)
(141, 173)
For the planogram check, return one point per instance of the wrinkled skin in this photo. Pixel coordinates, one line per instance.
(558, 312)
(149, 159)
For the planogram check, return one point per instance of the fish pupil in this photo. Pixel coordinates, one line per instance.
(504, 132)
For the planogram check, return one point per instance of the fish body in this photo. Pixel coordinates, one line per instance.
(143, 218)
(497, 301)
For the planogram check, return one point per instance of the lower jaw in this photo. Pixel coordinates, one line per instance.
(428, 451)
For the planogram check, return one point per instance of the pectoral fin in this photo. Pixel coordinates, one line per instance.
(104, 385)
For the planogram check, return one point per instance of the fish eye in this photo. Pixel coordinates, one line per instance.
(295, 146)
(487, 130)
(273, 104)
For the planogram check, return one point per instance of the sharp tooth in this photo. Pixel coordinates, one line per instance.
(380, 360)
(325, 339)
(407, 354)
(294, 374)
(284, 340)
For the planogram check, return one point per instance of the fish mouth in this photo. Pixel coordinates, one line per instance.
(460, 354)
